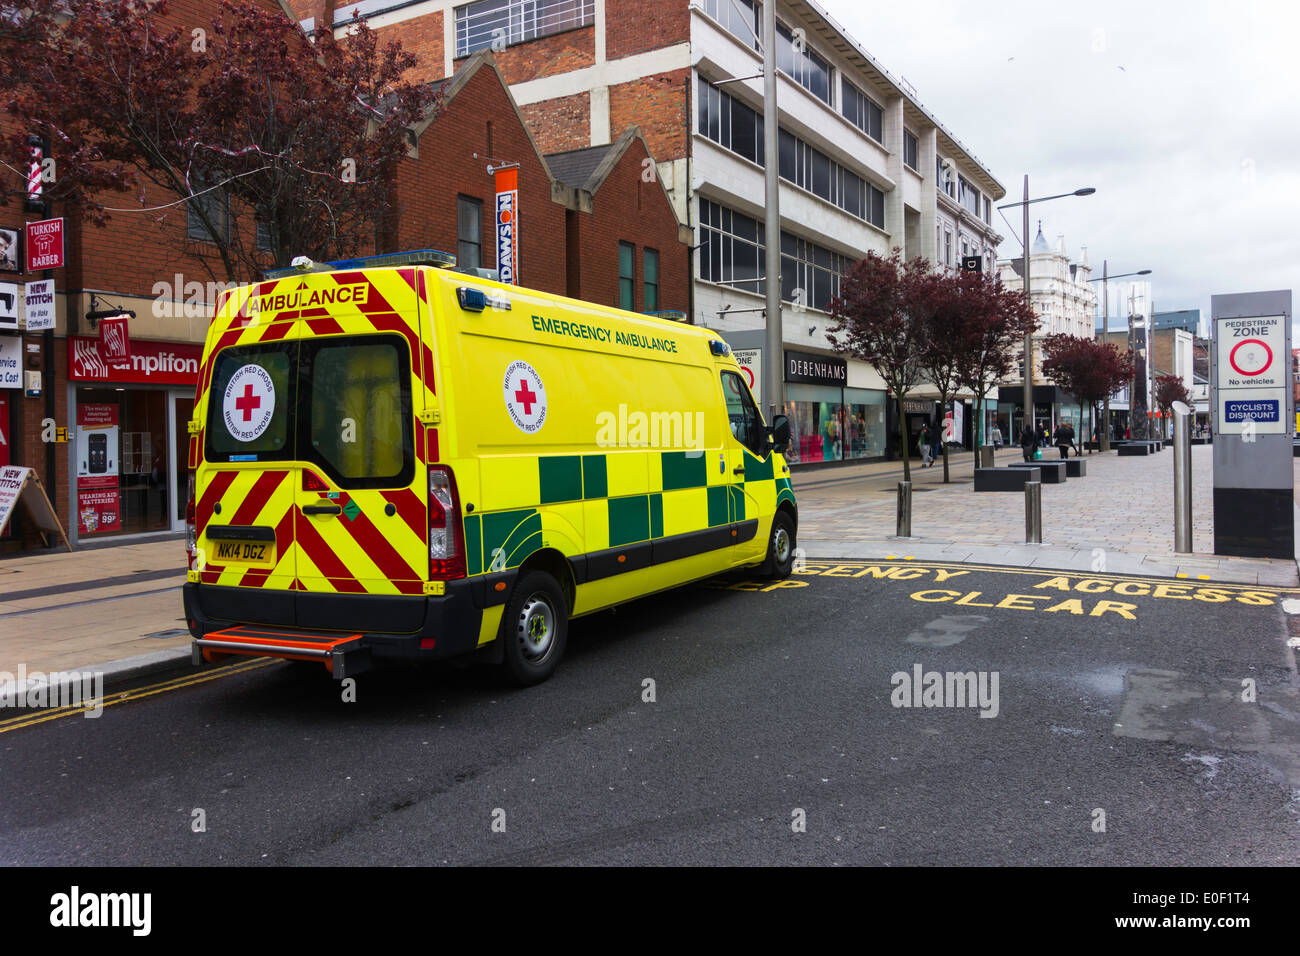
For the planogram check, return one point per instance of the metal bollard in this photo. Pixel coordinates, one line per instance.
(986, 456)
(1033, 512)
(903, 526)
(1182, 478)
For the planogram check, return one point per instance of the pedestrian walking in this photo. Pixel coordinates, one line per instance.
(997, 437)
(924, 447)
(1061, 438)
(1069, 433)
(1027, 442)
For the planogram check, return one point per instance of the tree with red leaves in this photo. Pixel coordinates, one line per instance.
(1089, 370)
(1170, 389)
(877, 320)
(996, 321)
(279, 146)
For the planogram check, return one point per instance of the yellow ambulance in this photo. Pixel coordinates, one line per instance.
(393, 460)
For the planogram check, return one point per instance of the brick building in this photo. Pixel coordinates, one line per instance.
(131, 446)
(864, 166)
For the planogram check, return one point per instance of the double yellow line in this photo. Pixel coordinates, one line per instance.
(39, 717)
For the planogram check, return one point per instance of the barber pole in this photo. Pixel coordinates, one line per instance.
(35, 199)
(507, 186)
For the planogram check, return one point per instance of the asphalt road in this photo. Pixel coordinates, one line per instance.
(1117, 735)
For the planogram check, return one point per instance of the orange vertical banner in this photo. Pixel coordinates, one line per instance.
(507, 186)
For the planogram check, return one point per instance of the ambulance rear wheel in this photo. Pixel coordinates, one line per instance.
(780, 548)
(534, 627)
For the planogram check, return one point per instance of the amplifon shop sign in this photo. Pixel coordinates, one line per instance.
(152, 363)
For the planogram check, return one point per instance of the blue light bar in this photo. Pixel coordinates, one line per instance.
(420, 257)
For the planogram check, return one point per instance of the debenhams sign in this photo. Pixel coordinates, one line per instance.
(806, 368)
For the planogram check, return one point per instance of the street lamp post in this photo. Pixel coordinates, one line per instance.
(1105, 327)
(1029, 338)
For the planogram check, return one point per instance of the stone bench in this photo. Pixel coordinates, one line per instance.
(1053, 472)
(1005, 479)
(1076, 468)
(1134, 448)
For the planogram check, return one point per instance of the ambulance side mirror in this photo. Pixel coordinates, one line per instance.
(779, 434)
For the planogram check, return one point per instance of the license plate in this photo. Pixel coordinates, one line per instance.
(256, 553)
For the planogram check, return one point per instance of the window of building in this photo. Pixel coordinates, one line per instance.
(502, 22)
(988, 209)
(730, 123)
(469, 232)
(738, 17)
(811, 169)
(860, 110)
(731, 248)
(968, 196)
(801, 64)
(910, 151)
(947, 248)
(810, 274)
(732, 253)
(650, 280)
(943, 175)
(262, 237)
(210, 206)
(627, 276)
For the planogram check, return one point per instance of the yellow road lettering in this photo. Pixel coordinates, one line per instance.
(944, 596)
(1212, 595)
(841, 571)
(940, 575)
(908, 574)
(1167, 591)
(1010, 601)
(1073, 605)
(1061, 584)
(785, 584)
(969, 600)
(1092, 586)
(874, 570)
(1132, 588)
(1123, 610)
(1256, 598)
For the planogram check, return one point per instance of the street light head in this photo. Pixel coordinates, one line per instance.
(1144, 272)
(1085, 191)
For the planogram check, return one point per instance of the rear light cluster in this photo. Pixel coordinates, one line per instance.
(446, 552)
(191, 537)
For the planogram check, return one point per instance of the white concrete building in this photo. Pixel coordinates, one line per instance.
(1060, 291)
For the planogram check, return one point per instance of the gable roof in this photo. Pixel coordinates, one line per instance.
(577, 167)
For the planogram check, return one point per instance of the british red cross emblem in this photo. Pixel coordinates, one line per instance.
(525, 397)
(248, 403)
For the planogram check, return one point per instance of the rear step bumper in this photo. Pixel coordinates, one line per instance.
(344, 656)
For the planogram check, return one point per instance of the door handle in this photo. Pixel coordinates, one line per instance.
(738, 471)
(322, 510)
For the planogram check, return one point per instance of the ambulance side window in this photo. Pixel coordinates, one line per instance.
(746, 423)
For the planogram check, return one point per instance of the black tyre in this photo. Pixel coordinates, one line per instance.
(780, 547)
(534, 627)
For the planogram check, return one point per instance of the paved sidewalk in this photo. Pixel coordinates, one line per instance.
(69, 611)
(1120, 518)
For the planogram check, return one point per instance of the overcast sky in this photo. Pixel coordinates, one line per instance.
(1185, 116)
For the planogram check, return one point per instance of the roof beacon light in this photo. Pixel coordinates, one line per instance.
(719, 347)
(476, 300)
(672, 315)
(420, 257)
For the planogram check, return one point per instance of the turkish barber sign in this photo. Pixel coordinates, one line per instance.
(507, 186)
(45, 245)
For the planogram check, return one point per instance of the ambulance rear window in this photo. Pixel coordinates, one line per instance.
(358, 402)
(250, 404)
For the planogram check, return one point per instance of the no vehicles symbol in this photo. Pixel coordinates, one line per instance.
(1251, 357)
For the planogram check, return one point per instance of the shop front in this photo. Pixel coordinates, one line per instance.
(127, 469)
(832, 418)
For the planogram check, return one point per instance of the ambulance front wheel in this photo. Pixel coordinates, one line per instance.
(780, 547)
(534, 627)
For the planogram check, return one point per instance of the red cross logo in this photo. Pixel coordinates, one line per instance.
(525, 397)
(248, 402)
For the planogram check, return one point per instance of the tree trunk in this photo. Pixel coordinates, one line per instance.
(1105, 423)
(980, 440)
(902, 440)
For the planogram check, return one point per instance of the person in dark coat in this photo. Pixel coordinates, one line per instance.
(1061, 438)
(1027, 442)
